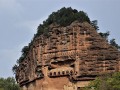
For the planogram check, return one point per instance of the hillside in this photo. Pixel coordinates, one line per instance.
(67, 49)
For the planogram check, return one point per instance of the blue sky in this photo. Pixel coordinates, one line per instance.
(19, 20)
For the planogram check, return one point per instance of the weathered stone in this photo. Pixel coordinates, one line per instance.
(68, 59)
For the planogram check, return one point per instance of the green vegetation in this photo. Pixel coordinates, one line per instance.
(113, 43)
(14, 68)
(105, 35)
(63, 17)
(24, 51)
(94, 23)
(106, 82)
(8, 84)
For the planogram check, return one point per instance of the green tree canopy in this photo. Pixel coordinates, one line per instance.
(105, 35)
(14, 68)
(106, 82)
(113, 43)
(94, 23)
(8, 84)
(63, 17)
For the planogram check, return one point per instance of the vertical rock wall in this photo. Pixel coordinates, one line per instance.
(67, 58)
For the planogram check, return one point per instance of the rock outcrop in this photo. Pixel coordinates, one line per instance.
(67, 59)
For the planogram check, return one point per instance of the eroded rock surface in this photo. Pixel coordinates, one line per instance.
(67, 59)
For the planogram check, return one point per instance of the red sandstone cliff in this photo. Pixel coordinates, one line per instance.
(69, 55)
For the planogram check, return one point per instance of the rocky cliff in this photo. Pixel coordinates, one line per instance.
(68, 54)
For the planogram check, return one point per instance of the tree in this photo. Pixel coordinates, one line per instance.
(113, 43)
(106, 82)
(63, 17)
(94, 23)
(8, 84)
(14, 68)
(105, 35)
(25, 50)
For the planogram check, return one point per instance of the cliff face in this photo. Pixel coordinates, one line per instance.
(66, 58)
